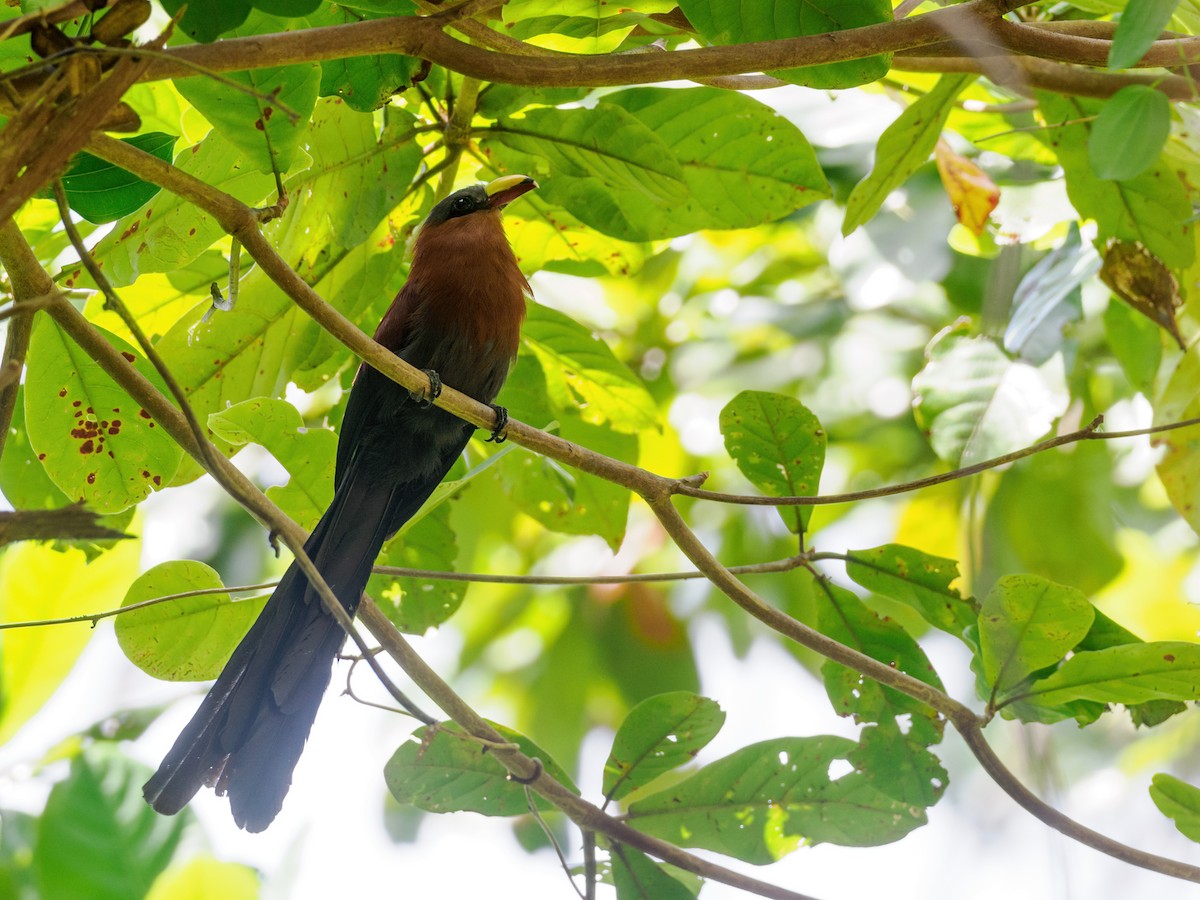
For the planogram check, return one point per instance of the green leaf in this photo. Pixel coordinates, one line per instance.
(187, 639)
(899, 766)
(357, 175)
(582, 372)
(1028, 623)
(764, 20)
(779, 445)
(1128, 674)
(572, 26)
(1179, 802)
(917, 579)
(207, 20)
(102, 192)
(172, 232)
(743, 163)
(1048, 299)
(637, 877)
(23, 478)
(1130, 132)
(658, 735)
(1153, 207)
(602, 165)
(203, 876)
(95, 442)
(416, 605)
(364, 82)
(97, 837)
(1140, 25)
(39, 582)
(288, 8)
(759, 803)
(846, 619)
(266, 134)
(1178, 468)
(903, 147)
(975, 403)
(306, 453)
(439, 770)
(545, 236)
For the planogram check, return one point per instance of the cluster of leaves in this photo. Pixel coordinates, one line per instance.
(1010, 346)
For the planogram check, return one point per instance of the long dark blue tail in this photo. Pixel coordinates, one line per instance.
(248, 734)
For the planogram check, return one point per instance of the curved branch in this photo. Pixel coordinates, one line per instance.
(965, 721)
(424, 37)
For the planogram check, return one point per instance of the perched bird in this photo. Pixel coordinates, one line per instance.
(458, 317)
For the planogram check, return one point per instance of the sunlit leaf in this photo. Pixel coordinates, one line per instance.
(764, 20)
(306, 453)
(637, 877)
(1026, 624)
(972, 193)
(203, 877)
(189, 638)
(1139, 27)
(1132, 673)
(260, 111)
(846, 619)
(903, 147)
(38, 582)
(1128, 135)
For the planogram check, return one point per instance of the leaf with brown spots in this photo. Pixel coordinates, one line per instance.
(86, 430)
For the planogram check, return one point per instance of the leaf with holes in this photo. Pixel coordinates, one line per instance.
(759, 803)
(438, 769)
(779, 445)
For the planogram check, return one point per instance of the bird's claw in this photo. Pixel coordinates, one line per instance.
(500, 432)
(435, 390)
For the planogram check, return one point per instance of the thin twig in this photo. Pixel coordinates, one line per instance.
(780, 565)
(1087, 433)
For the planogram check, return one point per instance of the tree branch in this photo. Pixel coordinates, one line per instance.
(964, 721)
(423, 37)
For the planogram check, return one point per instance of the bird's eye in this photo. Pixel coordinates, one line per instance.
(463, 205)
